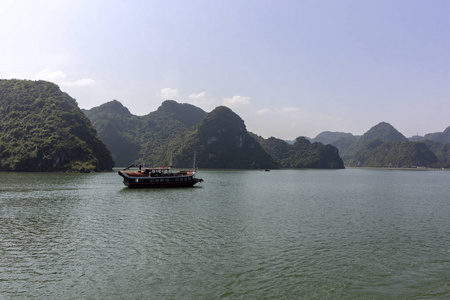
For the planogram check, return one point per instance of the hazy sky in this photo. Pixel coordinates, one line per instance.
(288, 68)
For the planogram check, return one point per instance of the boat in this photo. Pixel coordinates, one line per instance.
(159, 177)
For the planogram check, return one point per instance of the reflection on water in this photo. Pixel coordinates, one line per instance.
(241, 234)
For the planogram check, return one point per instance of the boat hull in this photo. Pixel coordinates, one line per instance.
(158, 182)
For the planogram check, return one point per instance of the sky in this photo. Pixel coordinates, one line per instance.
(287, 68)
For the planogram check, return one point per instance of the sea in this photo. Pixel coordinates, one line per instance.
(283, 234)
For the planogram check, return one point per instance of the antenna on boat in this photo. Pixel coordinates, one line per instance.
(170, 162)
(195, 154)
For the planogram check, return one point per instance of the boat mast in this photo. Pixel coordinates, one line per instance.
(195, 154)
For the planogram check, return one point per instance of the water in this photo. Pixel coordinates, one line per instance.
(284, 234)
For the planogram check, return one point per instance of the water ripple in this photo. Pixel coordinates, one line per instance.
(285, 234)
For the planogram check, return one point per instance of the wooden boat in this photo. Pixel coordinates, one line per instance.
(160, 177)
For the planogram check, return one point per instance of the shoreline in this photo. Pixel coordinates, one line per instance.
(401, 169)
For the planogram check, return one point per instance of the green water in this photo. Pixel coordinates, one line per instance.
(284, 234)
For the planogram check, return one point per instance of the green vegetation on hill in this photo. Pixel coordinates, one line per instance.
(219, 139)
(303, 154)
(42, 129)
(328, 137)
(384, 146)
(442, 152)
(164, 128)
(400, 154)
(116, 127)
(143, 139)
(382, 131)
(439, 137)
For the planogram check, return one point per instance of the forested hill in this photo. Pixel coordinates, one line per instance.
(118, 129)
(303, 154)
(219, 139)
(383, 146)
(43, 129)
(143, 139)
(328, 137)
(439, 137)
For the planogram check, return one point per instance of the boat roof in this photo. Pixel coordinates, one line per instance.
(158, 168)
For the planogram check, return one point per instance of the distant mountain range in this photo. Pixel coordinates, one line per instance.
(219, 139)
(43, 129)
(328, 137)
(384, 146)
(438, 137)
